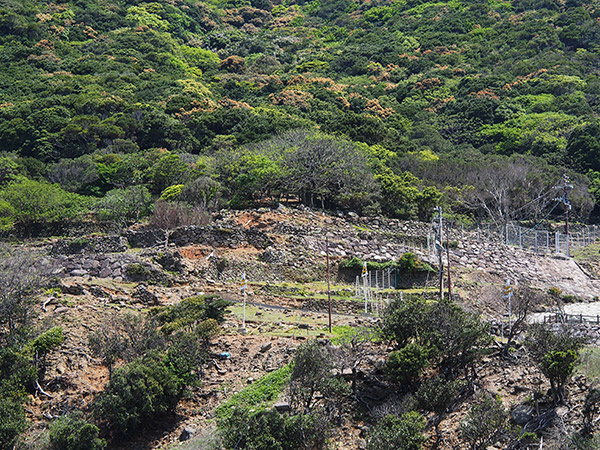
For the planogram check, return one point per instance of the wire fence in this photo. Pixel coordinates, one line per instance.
(539, 241)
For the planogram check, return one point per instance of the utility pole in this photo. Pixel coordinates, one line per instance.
(243, 287)
(364, 274)
(448, 260)
(440, 248)
(328, 277)
(508, 293)
(566, 186)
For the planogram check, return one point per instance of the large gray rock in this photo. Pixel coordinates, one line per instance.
(143, 294)
(522, 414)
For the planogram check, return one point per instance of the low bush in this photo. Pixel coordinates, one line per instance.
(138, 392)
(73, 432)
(12, 422)
(398, 433)
(405, 365)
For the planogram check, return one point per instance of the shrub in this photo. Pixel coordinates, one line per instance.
(12, 423)
(311, 373)
(137, 392)
(556, 353)
(483, 421)
(35, 203)
(438, 394)
(171, 193)
(268, 430)
(47, 341)
(409, 262)
(167, 216)
(72, 432)
(398, 433)
(405, 365)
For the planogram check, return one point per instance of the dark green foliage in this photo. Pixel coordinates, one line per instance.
(437, 394)
(398, 433)
(311, 374)
(13, 421)
(17, 372)
(454, 338)
(483, 422)
(140, 391)
(404, 366)
(107, 97)
(556, 353)
(591, 407)
(73, 432)
(268, 430)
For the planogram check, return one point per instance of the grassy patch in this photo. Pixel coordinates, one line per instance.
(589, 363)
(588, 253)
(260, 393)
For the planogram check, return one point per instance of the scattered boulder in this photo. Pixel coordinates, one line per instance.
(187, 433)
(266, 347)
(146, 296)
(522, 414)
(282, 407)
(171, 260)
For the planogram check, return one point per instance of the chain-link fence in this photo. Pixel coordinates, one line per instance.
(543, 242)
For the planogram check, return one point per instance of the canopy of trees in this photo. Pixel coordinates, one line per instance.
(388, 107)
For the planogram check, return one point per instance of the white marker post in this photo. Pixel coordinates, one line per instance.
(364, 275)
(243, 287)
(508, 292)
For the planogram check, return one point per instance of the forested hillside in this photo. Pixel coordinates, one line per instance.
(376, 106)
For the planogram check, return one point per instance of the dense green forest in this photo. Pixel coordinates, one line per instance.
(381, 106)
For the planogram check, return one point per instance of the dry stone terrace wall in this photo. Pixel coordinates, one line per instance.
(289, 240)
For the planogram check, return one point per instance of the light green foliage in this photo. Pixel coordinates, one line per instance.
(149, 15)
(35, 203)
(73, 432)
(47, 341)
(398, 433)
(199, 57)
(259, 394)
(171, 193)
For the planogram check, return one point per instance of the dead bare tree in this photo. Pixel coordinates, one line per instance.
(524, 301)
(22, 273)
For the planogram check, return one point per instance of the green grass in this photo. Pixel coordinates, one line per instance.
(274, 322)
(261, 393)
(589, 253)
(589, 363)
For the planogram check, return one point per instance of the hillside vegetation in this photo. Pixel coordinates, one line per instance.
(377, 106)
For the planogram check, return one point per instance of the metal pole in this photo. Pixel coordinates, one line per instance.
(328, 282)
(439, 246)
(448, 258)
